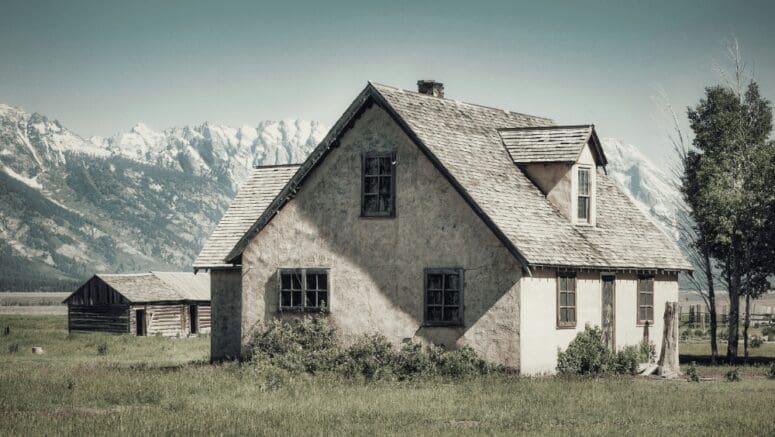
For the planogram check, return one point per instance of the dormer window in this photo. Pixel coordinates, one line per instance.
(584, 197)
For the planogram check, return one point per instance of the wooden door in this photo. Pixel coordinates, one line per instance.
(140, 319)
(608, 320)
(194, 318)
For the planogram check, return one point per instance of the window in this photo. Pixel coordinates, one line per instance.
(584, 195)
(443, 297)
(645, 300)
(304, 289)
(378, 193)
(566, 301)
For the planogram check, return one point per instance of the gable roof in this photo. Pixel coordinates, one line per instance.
(157, 286)
(253, 198)
(550, 143)
(464, 142)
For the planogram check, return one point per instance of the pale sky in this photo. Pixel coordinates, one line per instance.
(101, 66)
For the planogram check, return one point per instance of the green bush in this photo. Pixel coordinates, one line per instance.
(733, 375)
(626, 361)
(771, 370)
(587, 354)
(691, 373)
(756, 341)
(685, 335)
(102, 349)
(699, 333)
(310, 345)
(647, 351)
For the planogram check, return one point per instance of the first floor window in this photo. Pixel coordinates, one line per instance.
(566, 301)
(645, 300)
(443, 297)
(304, 289)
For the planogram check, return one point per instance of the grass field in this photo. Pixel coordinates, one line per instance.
(165, 386)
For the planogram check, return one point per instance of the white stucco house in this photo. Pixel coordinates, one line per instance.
(422, 217)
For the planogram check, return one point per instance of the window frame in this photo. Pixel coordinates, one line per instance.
(587, 196)
(650, 280)
(567, 324)
(460, 321)
(303, 271)
(379, 154)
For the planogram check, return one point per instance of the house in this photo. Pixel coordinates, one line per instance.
(422, 217)
(155, 303)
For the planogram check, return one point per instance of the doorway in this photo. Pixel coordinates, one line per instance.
(608, 319)
(140, 320)
(193, 317)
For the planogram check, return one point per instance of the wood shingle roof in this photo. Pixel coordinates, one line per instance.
(158, 286)
(546, 143)
(465, 142)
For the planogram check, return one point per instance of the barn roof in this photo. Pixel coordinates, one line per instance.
(464, 142)
(255, 195)
(158, 286)
(550, 143)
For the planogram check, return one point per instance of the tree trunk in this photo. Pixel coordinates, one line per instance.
(668, 355)
(711, 306)
(746, 324)
(734, 317)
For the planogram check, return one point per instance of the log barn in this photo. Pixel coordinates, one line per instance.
(154, 303)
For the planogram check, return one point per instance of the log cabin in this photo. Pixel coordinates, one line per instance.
(154, 303)
(426, 218)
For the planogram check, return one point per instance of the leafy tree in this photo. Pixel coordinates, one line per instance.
(725, 185)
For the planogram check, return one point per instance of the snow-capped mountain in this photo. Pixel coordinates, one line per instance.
(138, 200)
(654, 190)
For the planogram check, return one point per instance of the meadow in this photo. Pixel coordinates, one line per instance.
(109, 384)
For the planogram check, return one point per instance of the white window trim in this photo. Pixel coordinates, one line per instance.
(592, 195)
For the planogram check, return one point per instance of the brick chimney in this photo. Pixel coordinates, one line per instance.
(431, 88)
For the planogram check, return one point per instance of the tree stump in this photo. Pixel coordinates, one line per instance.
(668, 356)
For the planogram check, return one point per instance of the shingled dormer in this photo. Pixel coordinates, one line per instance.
(563, 162)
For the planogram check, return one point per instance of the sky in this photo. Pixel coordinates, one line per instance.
(99, 67)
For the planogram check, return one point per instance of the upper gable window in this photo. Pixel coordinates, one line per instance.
(378, 186)
(584, 195)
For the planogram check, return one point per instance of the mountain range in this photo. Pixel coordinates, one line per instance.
(145, 199)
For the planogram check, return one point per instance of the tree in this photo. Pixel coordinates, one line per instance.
(724, 184)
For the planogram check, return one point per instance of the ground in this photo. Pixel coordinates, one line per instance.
(100, 384)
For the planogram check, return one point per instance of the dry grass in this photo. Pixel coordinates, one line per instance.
(165, 386)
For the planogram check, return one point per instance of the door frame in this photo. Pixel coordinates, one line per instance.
(193, 319)
(138, 325)
(613, 305)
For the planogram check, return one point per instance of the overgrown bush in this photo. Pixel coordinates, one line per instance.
(626, 361)
(733, 375)
(691, 373)
(310, 345)
(699, 333)
(647, 351)
(588, 354)
(756, 341)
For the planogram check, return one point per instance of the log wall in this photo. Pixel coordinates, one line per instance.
(104, 318)
(169, 320)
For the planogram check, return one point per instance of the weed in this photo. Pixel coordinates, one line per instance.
(13, 348)
(102, 349)
(692, 375)
(733, 375)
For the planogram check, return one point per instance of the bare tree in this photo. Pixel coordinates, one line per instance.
(703, 280)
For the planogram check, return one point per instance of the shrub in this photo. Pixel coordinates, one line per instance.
(274, 379)
(685, 335)
(733, 375)
(306, 345)
(691, 373)
(370, 357)
(102, 349)
(699, 333)
(771, 371)
(411, 361)
(756, 341)
(459, 363)
(766, 330)
(722, 334)
(647, 351)
(587, 354)
(13, 348)
(626, 361)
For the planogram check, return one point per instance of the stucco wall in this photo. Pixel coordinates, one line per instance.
(376, 264)
(541, 338)
(554, 180)
(226, 314)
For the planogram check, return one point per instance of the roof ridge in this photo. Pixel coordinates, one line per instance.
(461, 102)
(276, 166)
(556, 126)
